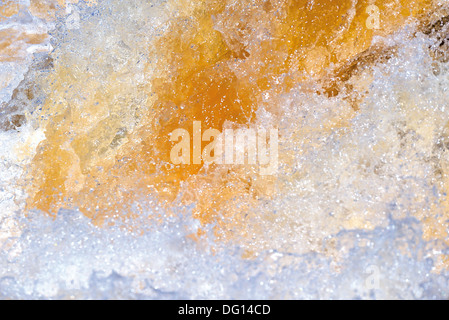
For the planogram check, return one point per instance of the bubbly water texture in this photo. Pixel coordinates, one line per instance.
(89, 207)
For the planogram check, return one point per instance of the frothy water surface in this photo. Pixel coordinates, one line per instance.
(357, 210)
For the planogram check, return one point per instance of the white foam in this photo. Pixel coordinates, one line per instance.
(343, 226)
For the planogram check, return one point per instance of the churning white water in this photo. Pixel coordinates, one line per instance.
(346, 223)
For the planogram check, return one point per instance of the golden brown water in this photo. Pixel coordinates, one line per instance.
(363, 147)
(211, 72)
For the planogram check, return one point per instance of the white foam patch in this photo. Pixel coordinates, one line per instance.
(73, 259)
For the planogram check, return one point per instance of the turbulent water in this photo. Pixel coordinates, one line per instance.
(92, 208)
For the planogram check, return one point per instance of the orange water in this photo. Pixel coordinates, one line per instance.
(107, 142)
